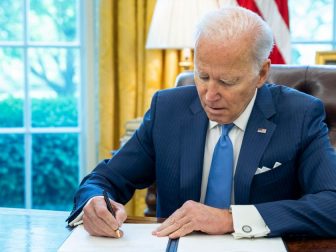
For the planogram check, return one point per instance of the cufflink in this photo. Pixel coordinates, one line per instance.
(247, 229)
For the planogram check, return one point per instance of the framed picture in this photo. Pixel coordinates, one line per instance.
(326, 58)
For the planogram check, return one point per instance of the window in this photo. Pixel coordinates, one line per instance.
(41, 96)
(312, 25)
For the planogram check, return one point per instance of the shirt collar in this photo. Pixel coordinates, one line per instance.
(242, 120)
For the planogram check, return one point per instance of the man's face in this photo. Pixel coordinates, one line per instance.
(226, 79)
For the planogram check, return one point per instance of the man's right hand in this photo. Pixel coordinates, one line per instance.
(98, 221)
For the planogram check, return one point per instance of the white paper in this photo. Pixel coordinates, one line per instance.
(137, 237)
(202, 242)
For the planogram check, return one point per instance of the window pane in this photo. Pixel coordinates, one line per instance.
(53, 82)
(59, 19)
(11, 87)
(11, 170)
(311, 19)
(305, 53)
(55, 170)
(11, 21)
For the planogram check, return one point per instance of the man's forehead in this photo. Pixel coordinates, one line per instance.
(230, 77)
(234, 64)
(232, 69)
(238, 49)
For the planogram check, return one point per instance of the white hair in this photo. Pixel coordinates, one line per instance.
(233, 23)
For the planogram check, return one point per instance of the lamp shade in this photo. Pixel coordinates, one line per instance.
(174, 22)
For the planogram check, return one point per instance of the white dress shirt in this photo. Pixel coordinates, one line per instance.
(247, 221)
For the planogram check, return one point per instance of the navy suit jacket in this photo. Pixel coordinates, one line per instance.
(297, 197)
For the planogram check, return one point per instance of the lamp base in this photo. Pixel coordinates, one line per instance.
(186, 60)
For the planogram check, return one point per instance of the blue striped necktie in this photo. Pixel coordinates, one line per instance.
(218, 192)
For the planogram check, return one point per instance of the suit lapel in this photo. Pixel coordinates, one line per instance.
(193, 134)
(258, 133)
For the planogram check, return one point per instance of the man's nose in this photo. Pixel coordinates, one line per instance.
(212, 93)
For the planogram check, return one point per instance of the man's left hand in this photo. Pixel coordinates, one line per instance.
(194, 216)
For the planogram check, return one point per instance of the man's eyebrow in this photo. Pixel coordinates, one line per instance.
(200, 72)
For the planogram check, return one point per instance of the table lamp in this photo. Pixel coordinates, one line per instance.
(173, 26)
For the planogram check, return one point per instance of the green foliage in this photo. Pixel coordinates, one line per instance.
(55, 170)
(60, 112)
(11, 112)
(11, 170)
(54, 156)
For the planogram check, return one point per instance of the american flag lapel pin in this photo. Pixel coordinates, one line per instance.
(262, 130)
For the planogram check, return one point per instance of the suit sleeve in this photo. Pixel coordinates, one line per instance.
(315, 212)
(132, 167)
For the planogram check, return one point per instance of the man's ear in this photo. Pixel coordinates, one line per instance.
(263, 73)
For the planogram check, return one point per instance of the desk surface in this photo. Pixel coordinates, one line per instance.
(38, 230)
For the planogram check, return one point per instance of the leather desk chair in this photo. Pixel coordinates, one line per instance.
(319, 81)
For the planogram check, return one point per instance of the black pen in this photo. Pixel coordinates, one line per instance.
(109, 207)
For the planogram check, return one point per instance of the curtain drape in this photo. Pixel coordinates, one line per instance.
(128, 73)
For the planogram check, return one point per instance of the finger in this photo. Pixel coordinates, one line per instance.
(184, 230)
(98, 227)
(113, 222)
(98, 220)
(168, 222)
(92, 226)
(89, 229)
(172, 220)
(175, 224)
(103, 213)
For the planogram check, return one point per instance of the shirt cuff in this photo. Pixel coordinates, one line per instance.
(247, 222)
(78, 220)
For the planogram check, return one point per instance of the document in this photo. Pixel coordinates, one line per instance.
(201, 242)
(137, 237)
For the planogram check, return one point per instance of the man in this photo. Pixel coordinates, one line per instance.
(283, 163)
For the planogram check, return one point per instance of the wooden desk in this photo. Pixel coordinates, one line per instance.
(38, 230)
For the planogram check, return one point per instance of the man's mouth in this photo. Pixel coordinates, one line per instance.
(215, 110)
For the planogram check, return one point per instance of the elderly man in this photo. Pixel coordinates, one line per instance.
(230, 154)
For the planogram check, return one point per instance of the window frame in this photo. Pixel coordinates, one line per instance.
(331, 42)
(86, 128)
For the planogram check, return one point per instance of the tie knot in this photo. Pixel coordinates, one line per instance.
(226, 129)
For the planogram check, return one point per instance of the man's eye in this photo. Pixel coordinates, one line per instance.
(226, 83)
(203, 78)
(223, 82)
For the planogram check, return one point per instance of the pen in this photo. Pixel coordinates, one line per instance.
(109, 207)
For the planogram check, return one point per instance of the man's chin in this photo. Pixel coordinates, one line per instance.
(219, 118)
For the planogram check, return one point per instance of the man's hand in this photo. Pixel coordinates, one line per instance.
(98, 221)
(194, 216)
